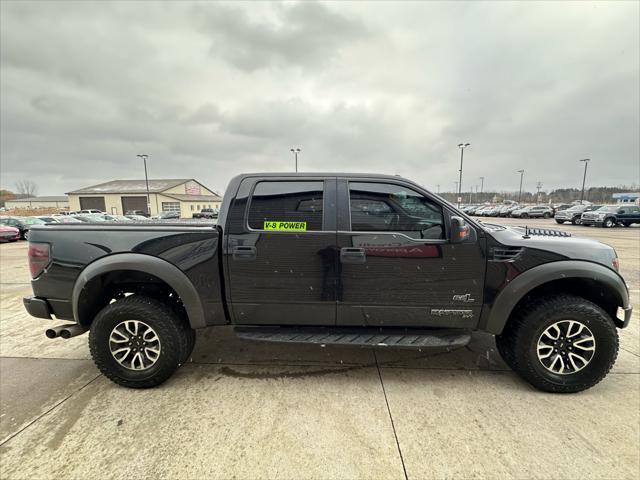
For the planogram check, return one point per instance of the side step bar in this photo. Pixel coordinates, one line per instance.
(363, 337)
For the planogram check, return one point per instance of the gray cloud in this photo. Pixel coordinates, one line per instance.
(293, 35)
(213, 89)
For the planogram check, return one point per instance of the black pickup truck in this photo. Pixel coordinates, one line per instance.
(356, 260)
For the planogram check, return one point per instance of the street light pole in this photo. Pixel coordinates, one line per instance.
(481, 186)
(521, 172)
(295, 151)
(584, 178)
(146, 180)
(461, 146)
(538, 186)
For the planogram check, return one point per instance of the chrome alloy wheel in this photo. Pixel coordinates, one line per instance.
(134, 345)
(566, 347)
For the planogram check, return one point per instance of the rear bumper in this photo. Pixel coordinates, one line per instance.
(37, 307)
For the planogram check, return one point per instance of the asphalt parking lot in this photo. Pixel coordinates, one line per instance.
(250, 410)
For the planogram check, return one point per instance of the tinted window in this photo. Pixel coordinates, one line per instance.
(294, 206)
(384, 207)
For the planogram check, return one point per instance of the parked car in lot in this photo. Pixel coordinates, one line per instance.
(574, 214)
(611, 215)
(90, 211)
(116, 218)
(58, 219)
(139, 213)
(167, 216)
(206, 213)
(23, 224)
(533, 212)
(137, 218)
(323, 259)
(90, 218)
(9, 234)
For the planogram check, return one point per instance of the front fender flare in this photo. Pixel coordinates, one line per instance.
(165, 271)
(498, 314)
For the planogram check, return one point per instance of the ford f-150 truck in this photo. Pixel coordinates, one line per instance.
(356, 260)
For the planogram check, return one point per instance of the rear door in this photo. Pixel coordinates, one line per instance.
(397, 266)
(281, 251)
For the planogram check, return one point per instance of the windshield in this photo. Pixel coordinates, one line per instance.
(608, 208)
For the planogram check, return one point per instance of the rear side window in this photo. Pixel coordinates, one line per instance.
(286, 206)
(385, 207)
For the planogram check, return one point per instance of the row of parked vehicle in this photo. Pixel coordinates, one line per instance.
(600, 215)
(16, 227)
(510, 210)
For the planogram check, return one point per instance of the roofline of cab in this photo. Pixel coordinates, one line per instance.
(234, 184)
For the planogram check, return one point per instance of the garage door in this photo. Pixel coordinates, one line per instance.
(96, 203)
(134, 203)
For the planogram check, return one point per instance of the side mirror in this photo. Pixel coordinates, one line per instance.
(460, 231)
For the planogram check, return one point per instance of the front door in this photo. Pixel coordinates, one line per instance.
(281, 258)
(397, 266)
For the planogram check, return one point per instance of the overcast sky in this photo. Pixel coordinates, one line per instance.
(210, 90)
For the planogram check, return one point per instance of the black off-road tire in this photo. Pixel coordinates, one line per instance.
(170, 328)
(518, 342)
(190, 343)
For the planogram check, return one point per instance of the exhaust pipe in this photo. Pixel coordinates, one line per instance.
(65, 331)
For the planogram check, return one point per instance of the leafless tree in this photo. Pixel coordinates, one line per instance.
(27, 188)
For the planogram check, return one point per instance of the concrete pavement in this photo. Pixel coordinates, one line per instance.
(250, 410)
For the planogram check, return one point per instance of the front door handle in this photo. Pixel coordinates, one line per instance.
(352, 255)
(243, 253)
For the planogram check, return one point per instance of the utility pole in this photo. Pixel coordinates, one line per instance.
(521, 172)
(146, 180)
(481, 186)
(295, 151)
(461, 146)
(438, 188)
(538, 186)
(584, 178)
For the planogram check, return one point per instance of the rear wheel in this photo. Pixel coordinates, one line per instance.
(139, 342)
(524, 215)
(546, 215)
(560, 222)
(560, 343)
(609, 222)
(576, 221)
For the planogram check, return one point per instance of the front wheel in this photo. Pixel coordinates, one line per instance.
(524, 215)
(576, 221)
(560, 222)
(609, 222)
(547, 215)
(560, 344)
(138, 342)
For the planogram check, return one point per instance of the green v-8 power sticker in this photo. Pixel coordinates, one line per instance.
(286, 226)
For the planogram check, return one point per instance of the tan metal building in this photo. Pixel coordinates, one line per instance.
(184, 195)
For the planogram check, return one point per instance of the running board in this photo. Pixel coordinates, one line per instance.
(362, 337)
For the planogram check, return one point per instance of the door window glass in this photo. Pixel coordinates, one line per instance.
(384, 207)
(286, 206)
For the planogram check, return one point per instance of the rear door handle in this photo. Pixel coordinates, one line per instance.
(243, 253)
(352, 255)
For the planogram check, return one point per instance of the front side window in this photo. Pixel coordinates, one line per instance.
(384, 207)
(286, 206)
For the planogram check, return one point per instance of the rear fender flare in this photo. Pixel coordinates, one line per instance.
(508, 298)
(165, 271)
